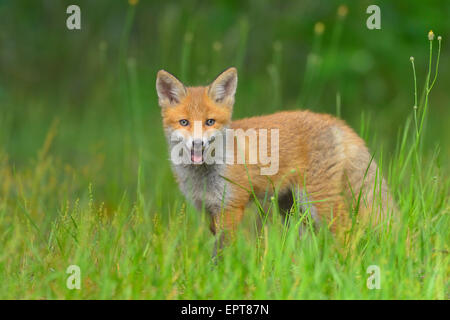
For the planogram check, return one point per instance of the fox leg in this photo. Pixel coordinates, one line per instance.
(332, 211)
(224, 225)
(327, 202)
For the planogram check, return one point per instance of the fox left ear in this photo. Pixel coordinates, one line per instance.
(170, 90)
(223, 89)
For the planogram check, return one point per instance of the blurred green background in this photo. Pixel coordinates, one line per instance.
(86, 98)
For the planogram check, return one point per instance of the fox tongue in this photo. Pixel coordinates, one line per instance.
(197, 156)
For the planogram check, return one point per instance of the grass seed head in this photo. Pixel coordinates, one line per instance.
(319, 28)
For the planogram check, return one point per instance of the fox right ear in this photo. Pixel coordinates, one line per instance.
(170, 89)
(223, 89)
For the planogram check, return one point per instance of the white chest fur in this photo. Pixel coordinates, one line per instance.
(204, 186)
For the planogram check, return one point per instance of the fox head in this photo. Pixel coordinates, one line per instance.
(193, 117)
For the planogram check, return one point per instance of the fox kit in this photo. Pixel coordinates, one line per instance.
(312, 157)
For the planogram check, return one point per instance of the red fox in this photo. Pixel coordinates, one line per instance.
(314, 157)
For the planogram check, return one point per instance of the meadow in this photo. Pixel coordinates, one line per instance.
(85, 177)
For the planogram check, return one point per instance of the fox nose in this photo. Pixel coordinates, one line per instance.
(197, 143)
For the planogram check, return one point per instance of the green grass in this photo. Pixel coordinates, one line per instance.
(135, 252)
(92, 187)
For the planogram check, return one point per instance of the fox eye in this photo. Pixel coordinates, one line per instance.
(184, 122)
(210, 122)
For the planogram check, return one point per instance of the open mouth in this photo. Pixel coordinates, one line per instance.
(197, 155)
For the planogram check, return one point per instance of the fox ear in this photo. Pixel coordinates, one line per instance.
(223, 89)
(170, 89)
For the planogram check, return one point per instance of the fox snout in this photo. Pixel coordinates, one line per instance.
(197, 151)
(195, 146)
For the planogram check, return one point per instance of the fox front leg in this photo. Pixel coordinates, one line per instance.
(223, 226)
